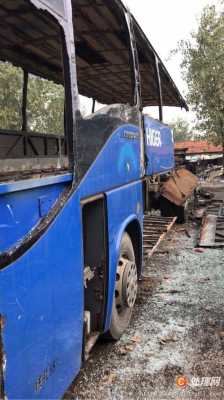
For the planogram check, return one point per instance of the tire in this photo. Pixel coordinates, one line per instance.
(121, 317)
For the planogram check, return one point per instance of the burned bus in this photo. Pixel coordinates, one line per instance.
(72, 190)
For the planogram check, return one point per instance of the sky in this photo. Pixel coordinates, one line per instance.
(165, 22)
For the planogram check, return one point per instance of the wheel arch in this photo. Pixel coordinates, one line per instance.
(134, 230)
(131, 225)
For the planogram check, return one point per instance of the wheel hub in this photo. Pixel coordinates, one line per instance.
(126, 284)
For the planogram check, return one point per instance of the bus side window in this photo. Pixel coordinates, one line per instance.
(45, 106)
(105, 78)
(32, 98)
(11, 83)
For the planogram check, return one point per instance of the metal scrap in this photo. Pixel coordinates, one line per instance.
(155, 230)
(180, 186)
(212, 231)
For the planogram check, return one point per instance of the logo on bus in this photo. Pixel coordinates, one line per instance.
(153, 137)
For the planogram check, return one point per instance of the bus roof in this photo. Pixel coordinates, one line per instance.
(102, 50)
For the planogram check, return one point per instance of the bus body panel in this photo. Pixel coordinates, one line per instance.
(159, 147)
(42, 291)
(42, 306)
(22, 206)
(117, 164)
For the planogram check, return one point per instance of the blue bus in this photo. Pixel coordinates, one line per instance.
(72, 202)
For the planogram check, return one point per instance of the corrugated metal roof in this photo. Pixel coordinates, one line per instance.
(198, 147)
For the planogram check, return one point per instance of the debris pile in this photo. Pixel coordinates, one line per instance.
(210, 210)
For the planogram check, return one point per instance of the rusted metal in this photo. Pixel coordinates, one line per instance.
(212, 231)
(91, 341)
(200, 212)
(108, 16)
(14, 150)
(214, 172)
(155, 230)
(179, 187)
(216, 208)
(207, 236)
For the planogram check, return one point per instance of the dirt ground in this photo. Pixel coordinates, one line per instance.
(177, 330)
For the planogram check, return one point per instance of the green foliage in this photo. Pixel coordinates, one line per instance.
(45, 108)
(181, 129)
(45, 102)
(203, 61)
(11, 79)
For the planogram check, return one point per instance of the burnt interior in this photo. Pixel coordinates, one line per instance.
(32, 39)
(33, 42)
(103, 57)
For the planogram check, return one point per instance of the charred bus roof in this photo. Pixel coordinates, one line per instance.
(102, 49)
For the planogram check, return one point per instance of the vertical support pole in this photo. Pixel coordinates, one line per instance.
(160, 95)
(137, 87)
(68, 107)
(24, 109)
(93, 106)
(71, 92)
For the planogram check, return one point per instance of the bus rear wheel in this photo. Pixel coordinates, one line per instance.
(125, 289)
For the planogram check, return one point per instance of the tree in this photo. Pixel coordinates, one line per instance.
(45, 107)
(45, 102)
(203, 61)
(10, 96)
(181, 129)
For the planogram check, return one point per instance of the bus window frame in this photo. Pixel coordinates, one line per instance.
(137, 86)
(70, 77)
(159, 88)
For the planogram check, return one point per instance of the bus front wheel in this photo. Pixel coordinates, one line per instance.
(125, 289)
